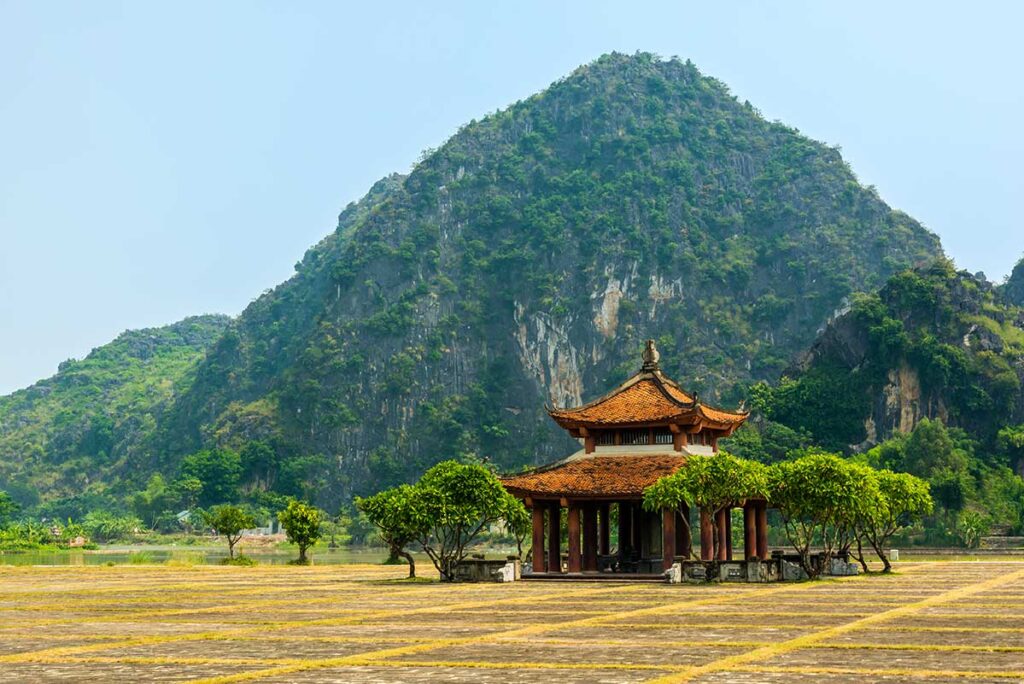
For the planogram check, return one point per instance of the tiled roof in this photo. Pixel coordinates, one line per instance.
(622, 475)
(647, 397)
(641, 401)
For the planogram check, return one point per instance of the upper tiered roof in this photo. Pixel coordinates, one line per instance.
(647, 398)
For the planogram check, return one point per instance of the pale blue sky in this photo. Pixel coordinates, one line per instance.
(167, 159)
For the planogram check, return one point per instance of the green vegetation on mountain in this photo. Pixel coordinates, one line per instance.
(925, 377)
(83, 429)
(524, 262)
(934, 343)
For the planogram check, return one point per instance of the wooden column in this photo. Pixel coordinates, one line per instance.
(762, 530)
(589, 537)
(539, 563)
(625, 527)
(721, 525)
(707, 539)
(604, 544)
(637, 534)
(555, 538)
(682, 530)
(750, 530)
(728, 534)
(575, 561)
(668, 537)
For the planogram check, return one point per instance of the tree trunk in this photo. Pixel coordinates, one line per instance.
(302, 555)
(412, 563)
(860, 555)
(886, 565)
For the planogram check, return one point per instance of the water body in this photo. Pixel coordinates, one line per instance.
(191, 555)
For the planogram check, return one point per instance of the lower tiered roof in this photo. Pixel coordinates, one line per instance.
(597, 476)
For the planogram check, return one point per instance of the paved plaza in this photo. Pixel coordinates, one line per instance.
(929, 622)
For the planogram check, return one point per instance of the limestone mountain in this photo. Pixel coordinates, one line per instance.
(524, 262)
(933, 343)
(80, 429)
(1013, 288)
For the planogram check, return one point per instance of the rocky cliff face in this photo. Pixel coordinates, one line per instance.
(1013, 289)
(934, 343)
(524, 262)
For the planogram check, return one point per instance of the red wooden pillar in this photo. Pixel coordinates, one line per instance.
(762, 530)
(720, 523)
(538, 538)
(750, 530)
(707, 539)
(625, 527)
(637, 535)
(604, 541)
(728, 534)
(682, 530)
(589, 537)
(575, 561)
(555, 538)
(668, 537)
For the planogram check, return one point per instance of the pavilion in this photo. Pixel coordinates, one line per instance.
(641, 431)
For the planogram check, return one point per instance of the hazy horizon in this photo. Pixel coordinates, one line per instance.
(162, 163)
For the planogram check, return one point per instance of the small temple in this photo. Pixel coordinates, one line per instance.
(641, 431)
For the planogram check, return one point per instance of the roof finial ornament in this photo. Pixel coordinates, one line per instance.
(650, 356)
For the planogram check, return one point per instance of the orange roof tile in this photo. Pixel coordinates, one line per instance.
(647, 397)
(604, 476)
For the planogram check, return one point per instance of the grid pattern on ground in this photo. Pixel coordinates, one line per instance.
(929, 622)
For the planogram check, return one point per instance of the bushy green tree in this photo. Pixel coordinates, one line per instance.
(459, 501)
(229, 520)
(104, 526)
(446, 510)
(820, 497)
(711, 483)
(8, 509)
(397, 514)
(219, 471)
(301, 524)
(904, 499)
(157, 498)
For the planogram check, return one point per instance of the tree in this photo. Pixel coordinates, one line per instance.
(820, 497)
(259, 464)
(711, 482)
(458, 502)
(219, 470)
(8, 509)
(156, 498)
(229, 520)
(301, 524)
(398, 518)
(903, 498)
